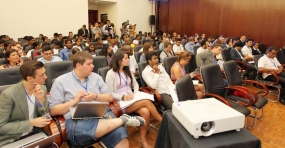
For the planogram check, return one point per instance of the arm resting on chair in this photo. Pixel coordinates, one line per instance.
(244, 65)
(115, 107)
(219, 98)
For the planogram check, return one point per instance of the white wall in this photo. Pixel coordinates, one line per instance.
(32, 17)
(92, 7)
(136, 11)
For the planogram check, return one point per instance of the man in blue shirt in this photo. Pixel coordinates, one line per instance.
(66, 51)
(48, 55)
(190, 44)
(82, 85)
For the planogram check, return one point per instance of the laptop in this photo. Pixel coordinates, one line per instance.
(39, 140)
(85, 110)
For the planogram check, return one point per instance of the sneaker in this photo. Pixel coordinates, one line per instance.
(133, 120)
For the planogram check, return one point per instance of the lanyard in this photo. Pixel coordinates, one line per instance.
(86, 82)
(36, 101)
(126, 80)
(272, 62)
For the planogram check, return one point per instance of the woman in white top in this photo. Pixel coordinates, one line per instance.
(167, 52)
(78, 44)
(120, 82)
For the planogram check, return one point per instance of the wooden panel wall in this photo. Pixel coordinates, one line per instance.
(262, 20)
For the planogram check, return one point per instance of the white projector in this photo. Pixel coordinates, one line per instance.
(205, 117)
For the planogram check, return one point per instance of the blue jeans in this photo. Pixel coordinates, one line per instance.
(82, 132)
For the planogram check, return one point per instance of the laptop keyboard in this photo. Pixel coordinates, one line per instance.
(27, 144)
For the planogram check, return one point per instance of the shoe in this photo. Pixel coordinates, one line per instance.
(133, 120)
(282, 101)
(141, 144)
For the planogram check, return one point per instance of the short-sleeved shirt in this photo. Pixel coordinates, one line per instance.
(65, 88)
(246, 50)
(178, 48)
(53, 59)
(64, 54)
(270, 63)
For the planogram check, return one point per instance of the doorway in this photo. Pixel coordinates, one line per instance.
(104, 18)
(92, 16)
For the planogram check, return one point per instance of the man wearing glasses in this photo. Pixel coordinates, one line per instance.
(48, 55)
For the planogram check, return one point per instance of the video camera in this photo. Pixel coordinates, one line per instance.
(126, 23)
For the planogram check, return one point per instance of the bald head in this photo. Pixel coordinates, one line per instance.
(128, 49)
(128, 41)
(112, 42)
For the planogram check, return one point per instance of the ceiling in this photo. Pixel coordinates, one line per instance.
(98, 2)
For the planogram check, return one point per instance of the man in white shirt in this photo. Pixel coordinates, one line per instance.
(107, 28)
(56, 47)
(246, 49)
(204, 46)
(268, 65)
(113, 45)
(48, 56)
(156, 77)
(177, 47)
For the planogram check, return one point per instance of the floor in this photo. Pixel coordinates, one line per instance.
(269, 129)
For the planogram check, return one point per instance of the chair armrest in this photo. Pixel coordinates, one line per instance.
(198, 77)
(116, 108)
(57, 125)
(262, 85)
(246, 92)
(149, 90)
(222, 99)
(250, 91)
(240, 69)
(244, 65)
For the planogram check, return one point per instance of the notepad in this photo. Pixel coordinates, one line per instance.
(137, 97)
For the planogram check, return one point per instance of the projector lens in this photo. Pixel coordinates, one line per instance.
(206, 126)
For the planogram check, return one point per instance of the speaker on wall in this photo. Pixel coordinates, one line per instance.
(151, 20)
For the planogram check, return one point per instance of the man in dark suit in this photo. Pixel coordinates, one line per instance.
(83, 31)
(237, 55)
(23, 105)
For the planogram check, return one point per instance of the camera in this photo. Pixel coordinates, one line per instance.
(126, 23)
(108, 27)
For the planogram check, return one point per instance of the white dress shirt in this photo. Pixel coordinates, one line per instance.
(246, 50)
(266, 62)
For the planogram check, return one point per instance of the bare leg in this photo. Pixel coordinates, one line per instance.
(199, 90)
(147, 104)
(144, 113)
(107, 125)
(124, 143)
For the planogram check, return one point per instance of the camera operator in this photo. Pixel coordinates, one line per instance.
(108, 29)
(124, 29)
(132, 29)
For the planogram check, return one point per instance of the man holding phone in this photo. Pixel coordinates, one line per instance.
(24, 105)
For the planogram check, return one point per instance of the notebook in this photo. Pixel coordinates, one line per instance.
(39, 140)
(85, 110)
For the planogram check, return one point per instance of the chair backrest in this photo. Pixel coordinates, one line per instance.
(137, 56)
(2, 49)
(157, 44)
(213, 79)
(10, 76)
(37, 57)
(192, 65)
(262, 48)
(137, 48)
(280, 57)
(168, 62)
(56, 69)
(99, 62)
(283, 51)
(226, 55)
(103, 72)
(27, 48)
(141, 66)
(185, 89)
(24, 59)
(195, 48)
(97, 51)
(2, 88)
(2, 60)
(255, 59)
(232, 73)
(35, 53)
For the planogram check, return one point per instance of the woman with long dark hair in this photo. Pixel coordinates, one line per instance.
(12, 59)
(107, 52)
(120, 82)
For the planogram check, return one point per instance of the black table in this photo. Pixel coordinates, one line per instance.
(172, 134)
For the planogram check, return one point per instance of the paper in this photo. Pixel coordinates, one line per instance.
(221, 63)
(173, 94)
(137, 97)
(251, 62)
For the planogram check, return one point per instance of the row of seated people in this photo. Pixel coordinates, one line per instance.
(154, 71)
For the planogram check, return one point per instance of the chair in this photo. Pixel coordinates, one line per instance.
(97, 51)
(266, 82)
(195, 48)
(168, 62)
(185, 89)
(1, 49)
(10, 76)
(191, 66)
(137, 56)
(56, 69)
(157, 44)
(233, 77)
(27, 48)
(35, 53)
(103, 72)
(37, 57)
(214, 86)
(99, 62)
(2, 88)
(280, 57)
(137, 48)
(2, 61)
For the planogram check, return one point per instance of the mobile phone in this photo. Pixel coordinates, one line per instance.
(47, 116)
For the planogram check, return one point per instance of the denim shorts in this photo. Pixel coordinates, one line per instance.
(82, 132)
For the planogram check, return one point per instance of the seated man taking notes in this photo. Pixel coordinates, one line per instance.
(82, 85)
(23, 105)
